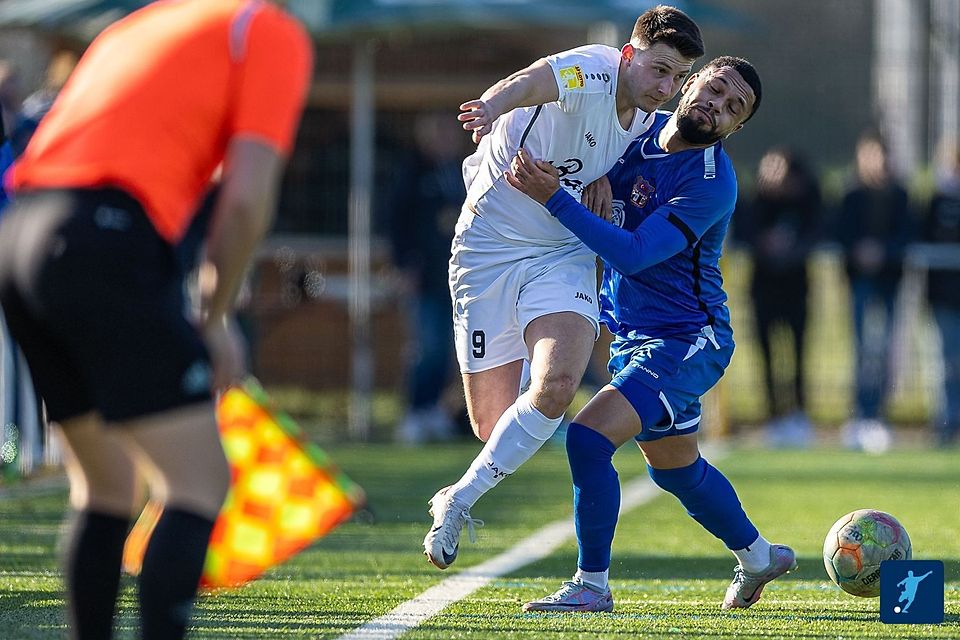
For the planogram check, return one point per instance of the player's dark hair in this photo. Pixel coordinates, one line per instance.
(746, 71)
(670, 26)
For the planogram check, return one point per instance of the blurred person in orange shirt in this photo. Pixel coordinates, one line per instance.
(92, 288)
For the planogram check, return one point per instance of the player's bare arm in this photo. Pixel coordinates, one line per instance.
(244, 212)
(525, 88)
(536, 178)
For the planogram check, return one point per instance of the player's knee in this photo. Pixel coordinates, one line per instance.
(203, 493)
(483, 427)
(554, 393)
(680, 479)
(114, 499)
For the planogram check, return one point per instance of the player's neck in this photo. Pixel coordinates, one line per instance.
(626, 110)
(625, 113)
(671, 141)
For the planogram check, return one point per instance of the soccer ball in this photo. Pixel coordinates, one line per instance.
(857, 544)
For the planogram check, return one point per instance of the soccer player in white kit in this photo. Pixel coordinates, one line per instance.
(523, 286)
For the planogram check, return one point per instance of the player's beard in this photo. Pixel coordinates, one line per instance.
(691, 131)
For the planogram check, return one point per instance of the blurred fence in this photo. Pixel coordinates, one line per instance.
(299, 327)
(914, 347)
(300, 313)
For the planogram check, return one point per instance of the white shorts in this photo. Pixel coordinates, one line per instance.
(498, 287)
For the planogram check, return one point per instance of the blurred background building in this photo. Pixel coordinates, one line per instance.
(325, 305)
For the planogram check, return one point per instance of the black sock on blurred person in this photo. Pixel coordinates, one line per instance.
(94, 551)
(172, 566)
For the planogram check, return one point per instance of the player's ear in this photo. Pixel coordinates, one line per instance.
(735, 129)
(689, 82)
(627, 52)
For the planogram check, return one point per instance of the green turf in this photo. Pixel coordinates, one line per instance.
(668, 576)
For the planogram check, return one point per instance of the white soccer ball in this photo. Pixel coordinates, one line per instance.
(857, 544)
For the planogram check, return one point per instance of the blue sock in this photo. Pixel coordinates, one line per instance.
(596, 495)
(710, 500)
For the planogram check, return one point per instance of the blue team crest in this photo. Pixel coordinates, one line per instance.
(618, 217)
(641, 192)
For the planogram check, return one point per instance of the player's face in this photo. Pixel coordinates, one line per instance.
(654, 75)
(714, 104)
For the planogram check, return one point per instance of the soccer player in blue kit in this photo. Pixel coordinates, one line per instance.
(674, 191)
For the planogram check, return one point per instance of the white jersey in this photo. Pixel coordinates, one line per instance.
(580, 134)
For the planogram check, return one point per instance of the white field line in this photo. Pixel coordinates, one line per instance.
(537, 546)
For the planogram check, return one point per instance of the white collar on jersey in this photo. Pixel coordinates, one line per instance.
(648, 156)
(709, 158)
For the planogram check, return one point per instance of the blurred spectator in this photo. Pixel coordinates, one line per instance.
(22, 424)
(874, 227)
(784, 225)
(6, 159)
(21, 417)
(942, 225)
(10, 102)
(38, 103)
(427, 199)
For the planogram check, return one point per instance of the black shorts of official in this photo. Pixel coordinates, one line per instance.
(95, 299)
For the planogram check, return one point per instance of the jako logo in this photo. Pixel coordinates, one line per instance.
(583, 296)
(590, 139)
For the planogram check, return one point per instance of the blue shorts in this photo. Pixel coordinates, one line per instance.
(664, 378)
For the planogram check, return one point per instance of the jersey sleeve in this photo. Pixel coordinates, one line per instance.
(275, 72)
(699, 204)
(629, 252)
(581, 74)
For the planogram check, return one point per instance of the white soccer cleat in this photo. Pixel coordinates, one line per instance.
(574, 596)
(746, 587)
(443, 540)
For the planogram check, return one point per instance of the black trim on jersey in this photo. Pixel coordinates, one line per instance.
(684, 229)
(695, 258)
(526, 131)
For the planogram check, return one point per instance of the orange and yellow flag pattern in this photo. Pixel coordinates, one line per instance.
(285, 494)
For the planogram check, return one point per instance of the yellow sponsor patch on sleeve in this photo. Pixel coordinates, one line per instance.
(572, 77)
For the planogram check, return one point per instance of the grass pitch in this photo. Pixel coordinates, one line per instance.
(668, 575)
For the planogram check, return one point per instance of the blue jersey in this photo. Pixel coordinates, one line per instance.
(695, 191)
(662, 274)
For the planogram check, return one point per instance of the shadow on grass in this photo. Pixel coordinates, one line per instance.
(647, 567)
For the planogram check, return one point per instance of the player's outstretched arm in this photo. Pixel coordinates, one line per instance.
(531, 86)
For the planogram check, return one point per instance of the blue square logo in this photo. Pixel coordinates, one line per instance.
(911, 591)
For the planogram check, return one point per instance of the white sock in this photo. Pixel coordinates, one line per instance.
(595, 579)
(755, 557)
(518, 434)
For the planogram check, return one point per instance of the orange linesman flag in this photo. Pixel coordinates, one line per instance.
(285, 493)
